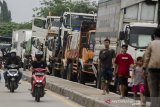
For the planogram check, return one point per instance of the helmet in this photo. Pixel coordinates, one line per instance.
(13, 53)
(39, 55)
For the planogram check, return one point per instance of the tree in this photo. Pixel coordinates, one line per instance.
(7, 28)
(57, 7)
(0, 11)
(5, 15)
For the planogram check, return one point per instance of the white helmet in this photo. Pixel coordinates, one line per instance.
(13, 53)
(39, 55)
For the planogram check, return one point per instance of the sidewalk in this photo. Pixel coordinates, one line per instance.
(82, 94)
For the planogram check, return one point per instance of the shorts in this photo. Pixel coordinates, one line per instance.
(106, 74)
(138, 88)
(123, 80)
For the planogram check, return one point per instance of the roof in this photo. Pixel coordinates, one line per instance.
(85, 14)
(144, 24)
(58, 17)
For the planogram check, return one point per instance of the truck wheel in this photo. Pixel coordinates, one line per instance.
(98, 81)
(81, 75)
(69, 71)
(24, 66)
(53, 70)
(63, 72)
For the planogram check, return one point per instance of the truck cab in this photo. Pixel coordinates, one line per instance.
(137, 36)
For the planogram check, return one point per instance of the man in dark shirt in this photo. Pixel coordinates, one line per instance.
(39, 62)
(106, 57)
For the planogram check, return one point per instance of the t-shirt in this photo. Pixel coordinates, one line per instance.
(39, 64)
(15, 60)
(124, 61)
(138, 76)
(109, 55)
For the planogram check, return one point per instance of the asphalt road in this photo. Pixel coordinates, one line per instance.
(22, 98)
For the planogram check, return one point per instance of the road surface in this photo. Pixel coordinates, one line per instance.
(23, 98)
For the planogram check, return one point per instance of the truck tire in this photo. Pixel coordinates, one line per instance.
(53, 70)
(63, 72)
(98, 81)
(81, 75)
(69, 72)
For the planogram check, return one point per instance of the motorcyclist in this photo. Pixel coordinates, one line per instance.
(38, 62)
(12, 59)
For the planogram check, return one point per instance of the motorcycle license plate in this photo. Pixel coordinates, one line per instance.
(12, 79)
(38, 85)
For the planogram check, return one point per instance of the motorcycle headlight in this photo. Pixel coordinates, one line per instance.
(38, 81)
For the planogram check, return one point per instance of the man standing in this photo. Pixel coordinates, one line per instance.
(106, 57)
(152, 63)
(123, 62)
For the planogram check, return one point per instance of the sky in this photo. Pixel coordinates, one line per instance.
(22, 9)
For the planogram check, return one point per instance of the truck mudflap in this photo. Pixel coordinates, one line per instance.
(94, 70)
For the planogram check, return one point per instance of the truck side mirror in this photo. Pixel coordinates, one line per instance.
(61, 19)
(121, 35)
(46, 43)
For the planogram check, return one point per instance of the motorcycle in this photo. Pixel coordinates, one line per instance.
(38, 83)
(12, 77)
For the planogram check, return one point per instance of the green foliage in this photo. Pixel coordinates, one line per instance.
(5, 15)
(57, 7)
(7, 28)
(27, 25)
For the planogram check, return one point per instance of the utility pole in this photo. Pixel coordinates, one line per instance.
(158, 12)
(0, 13)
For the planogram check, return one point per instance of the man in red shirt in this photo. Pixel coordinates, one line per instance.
(123, 62)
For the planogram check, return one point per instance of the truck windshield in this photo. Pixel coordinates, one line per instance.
(140, 36)
(40, 23)
(76, 20)
(55, 22)
(92, 38)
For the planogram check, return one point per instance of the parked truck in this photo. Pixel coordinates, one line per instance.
(130, 22)
(54, 24)
(39, 33)
(18, 37)
(71, 23)
(26, 50)
(79, 53)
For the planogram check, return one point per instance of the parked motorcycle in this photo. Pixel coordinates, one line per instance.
(12, 77)
(38, 83)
